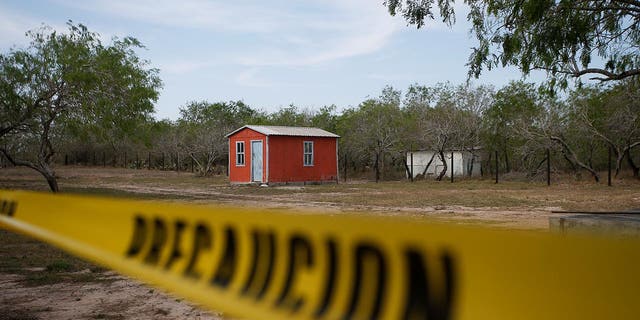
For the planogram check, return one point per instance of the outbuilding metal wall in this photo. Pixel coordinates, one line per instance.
(463, 163)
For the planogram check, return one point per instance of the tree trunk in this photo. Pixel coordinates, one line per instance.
(381, 164)
(51, 180)
(572, 157)
(377, 167)
(619, 157)
(634, 167)
(444, 170)
(573, 166)
(534, 172)
(42, 167)
(406, 167)
(506, 161)
(424, 173)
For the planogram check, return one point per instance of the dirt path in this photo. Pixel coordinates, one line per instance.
(512, 218)
(120, 298)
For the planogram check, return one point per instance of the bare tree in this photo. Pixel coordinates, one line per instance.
(552, 127)
(612, 116)
(202, 128)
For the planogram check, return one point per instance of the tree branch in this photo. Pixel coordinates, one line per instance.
(609, 76)
(17, 162)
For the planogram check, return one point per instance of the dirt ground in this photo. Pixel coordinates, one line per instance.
(120, 298)
(511, 205)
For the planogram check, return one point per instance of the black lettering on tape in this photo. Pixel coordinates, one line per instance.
(159, 239)
(332, 268)
(201, 242)
(8, 208)
(448, 264)
(370, 268)
(263, 261)
(178, 228)
(227, 267)
(139, 236)
(423, 300)
(300, 254)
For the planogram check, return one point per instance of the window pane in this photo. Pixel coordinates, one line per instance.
(239, 153)
(308, 153)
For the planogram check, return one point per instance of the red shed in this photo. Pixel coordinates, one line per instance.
(276, 154)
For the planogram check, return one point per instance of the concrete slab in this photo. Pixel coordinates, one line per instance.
(619, 225)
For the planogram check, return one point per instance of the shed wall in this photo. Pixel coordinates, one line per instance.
(286, 163)
(464, 163)
(242, 174)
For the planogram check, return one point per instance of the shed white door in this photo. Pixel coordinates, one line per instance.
(256, 161)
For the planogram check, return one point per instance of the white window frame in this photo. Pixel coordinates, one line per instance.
(305, 154)
(243, 154)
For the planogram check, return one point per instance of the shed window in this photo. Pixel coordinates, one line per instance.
(240, 153)
(308, 153)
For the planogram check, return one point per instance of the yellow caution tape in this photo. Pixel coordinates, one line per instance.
(272, 265)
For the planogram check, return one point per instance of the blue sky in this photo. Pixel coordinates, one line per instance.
(267, 53)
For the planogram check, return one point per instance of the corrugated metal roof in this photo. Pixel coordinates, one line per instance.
(288, 131)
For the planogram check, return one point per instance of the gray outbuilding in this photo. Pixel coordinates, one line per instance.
(428, 163)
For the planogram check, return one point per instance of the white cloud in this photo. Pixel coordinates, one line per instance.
(286, 33)
(183, 67)
(349, 29)
(251, 78)
(198, 14)
(248, 78)
(13, 27)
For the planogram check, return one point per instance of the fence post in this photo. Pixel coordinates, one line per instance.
(149, 161)
(496, 166)
(411, 165)
(66, 159)
(137, 162)
(345, 168)
(452, 167)
(548, 167)
(609, 169)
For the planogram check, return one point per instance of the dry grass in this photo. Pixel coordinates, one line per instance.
(41, 263)
(509, 204)
(565, 194)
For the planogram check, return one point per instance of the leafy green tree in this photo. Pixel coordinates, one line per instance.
(290, 116)
(516, 106)
(567, 39)
(70, 82)
(375, 130)
(351, 146)
(325, 118)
